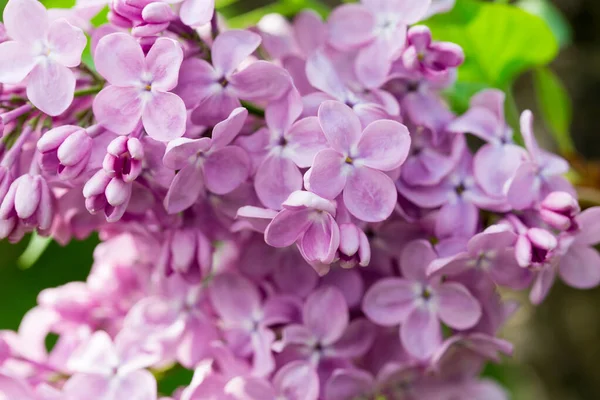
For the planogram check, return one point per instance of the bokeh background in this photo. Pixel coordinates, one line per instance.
(557, 344)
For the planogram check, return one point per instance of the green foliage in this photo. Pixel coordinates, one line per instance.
(500, 42)
(555, 107)
(548, 12)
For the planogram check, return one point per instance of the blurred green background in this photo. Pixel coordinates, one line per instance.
(546, 55)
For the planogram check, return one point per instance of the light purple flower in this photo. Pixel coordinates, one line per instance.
(419, 303)
(213, 91)
(356, 162)
(283, 147)
(30, 199)
(309, 221)
(139, 87)
(496, 162)
(540, 174)
(326, 332)
(41, 51)
(489, 252)
(245, 318)
(378, 29)
(66, 151)
(431, 59)
(114, 371)
(210, 163)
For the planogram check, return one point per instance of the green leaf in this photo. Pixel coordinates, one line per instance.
(555, 106)
(58, 3)
(500, 41)
(554, 18)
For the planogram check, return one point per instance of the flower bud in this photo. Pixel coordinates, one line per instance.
(354, 246)
(559, 210)
(66, 150)
(107, 193)
(29, 199)
(188, 253)
(124, 158)
(158, 13)
(535, 247)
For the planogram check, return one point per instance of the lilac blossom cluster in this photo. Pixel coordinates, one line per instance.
(291, 211)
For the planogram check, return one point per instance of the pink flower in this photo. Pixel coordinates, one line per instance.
(378, 29)
(114, 371)
(209, 163)
(309, 221)
(355, 162)
(214, 90)
(29, 199)
(41, 51)
(139, 87)
(418, 303)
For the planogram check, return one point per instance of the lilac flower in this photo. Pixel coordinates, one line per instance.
(245, 319)
(30, 200)
(285, 146)
(559, 210)
(379, 28)
(496, 162)
(326, 332)
(41, 51)
(213, 91)
(489, 252)
(139, 87)
(431, 59)
(65, 150)
(115, 370)
(196, 13)
(187, 252)
(419, 303)
(539, 174)
(209, 163)
(355, 162)
(309, 221)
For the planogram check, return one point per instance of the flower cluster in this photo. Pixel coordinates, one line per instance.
(291, 211)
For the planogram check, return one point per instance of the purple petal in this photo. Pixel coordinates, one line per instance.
(457, 219)
(350, 26)
(479, 122)
(310, 31)
(280, 115)
(231, 48)
(250, 388)
(542, 284)
(27, 196)
(389, 301)
(356, 340)
(225, 131)
(16, 62)
(163, 62)
(327, 176)
(322, 75)
(326, 314)
(373, 63)
(184, 190)
(297, 380)
(580, 267)
(50, 88)
(304, 140)
(370, 195)
(494, 165)
(236, 308)
(287, 227)
(261, 81)
(528, 135)
(26, 21)
(197, 81)
(263, 362)
(384, 145)
(12, 388)
(216, 107)
(164, 117)
(340, 125)
(196, 13)
(415, 258)
(226, 169)
(67, 43)
(118, 109)
(119, 59)
(276, 178)
(180, 151)
(590, 228)
(349, 384)
(524, 188)
(457, 307)
(321, 240)
(421, 333)
(302, 199)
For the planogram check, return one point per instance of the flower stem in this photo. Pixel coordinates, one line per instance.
(88, 91)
